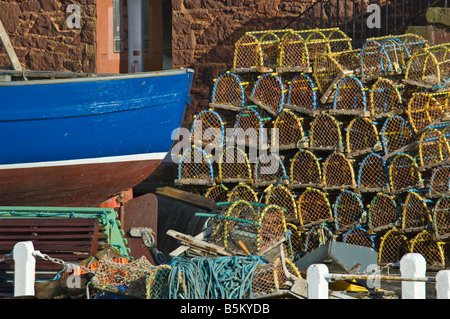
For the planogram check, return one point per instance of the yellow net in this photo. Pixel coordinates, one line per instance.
(338, 172)
(305, 170)
(313, 206)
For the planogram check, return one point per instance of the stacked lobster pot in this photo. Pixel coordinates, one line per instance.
(351, 143)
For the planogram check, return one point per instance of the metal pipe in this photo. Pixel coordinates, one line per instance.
(321, 14)
(329, 13)
(313, 17)
(337, 13)
(403, 12)
(354, 22)
(379, 29)
(395, 15)
(345, 16)
(362, 22)
(387, 18)
(379, 277)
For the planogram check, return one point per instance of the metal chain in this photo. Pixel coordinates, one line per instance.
(37, 253)
(6, 256)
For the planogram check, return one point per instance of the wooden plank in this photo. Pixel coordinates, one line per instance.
(9, 48)
(297, 69)
(302, 110)
(360, 113)
(181, 249)
(419, 84)
(317, 222)
(199, 244)
(187, 197)
(328, 96)
(194, 181)
(263, 106)
(298, 185)
(228, 107)
(407, 148)
(345, 228)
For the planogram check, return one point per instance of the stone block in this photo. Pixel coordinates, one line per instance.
(436, 15)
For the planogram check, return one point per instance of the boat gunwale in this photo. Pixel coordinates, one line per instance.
(84, 77)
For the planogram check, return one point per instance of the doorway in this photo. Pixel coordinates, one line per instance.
(134, 35)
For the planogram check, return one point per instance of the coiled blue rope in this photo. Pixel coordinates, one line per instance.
(212, 278)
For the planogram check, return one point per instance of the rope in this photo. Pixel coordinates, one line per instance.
(212, 278)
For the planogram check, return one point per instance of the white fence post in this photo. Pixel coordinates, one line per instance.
(443, 284)
(317, 282)
(413, 265)
(24, 269)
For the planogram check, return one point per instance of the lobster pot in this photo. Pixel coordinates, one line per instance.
(319, 41)
(338, 172)
(313, 207)
(413, 43)
(258, 50)
(271, 227)
(317, 236)
(138, 279)
(269, 93)
(415, 214)
(433, 251)
(348, 209)
(295, 244)
(225, 222)
(385, 98)
(218, 193)
(338, 40)
(388, 55)
(423, 109)
(325, 134)
(195, 168)
(395, 134)
(283, 197)
(228, 92)
(207, 128)
(271, 277)
(302, 95)
(293, 54)
(433, 148)
(350, 97)
(358, 236)
(305, 170)
(439, 182)
(329, 68)
(249, 128)
(269, 169)
(244, 192)
(404, 173)
(383, 212)
(443, 98)
(372, 174)
(256, 230)
(429, 68)
(393, 247)
(441, 218)
(289, 130)
(234, 166)
(361, 136)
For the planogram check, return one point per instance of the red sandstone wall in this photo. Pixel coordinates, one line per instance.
(42, 39)
(205, 31)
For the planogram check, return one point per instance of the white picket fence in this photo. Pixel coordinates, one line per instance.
(413, 277)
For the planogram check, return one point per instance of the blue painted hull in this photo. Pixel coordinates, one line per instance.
(87, 121)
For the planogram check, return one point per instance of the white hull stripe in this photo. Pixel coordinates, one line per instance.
(99, 160)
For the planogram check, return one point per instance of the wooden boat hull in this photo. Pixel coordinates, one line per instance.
(76, 142)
